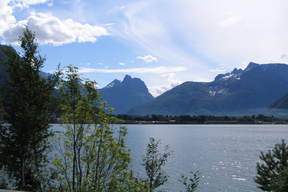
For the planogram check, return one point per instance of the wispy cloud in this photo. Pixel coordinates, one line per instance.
(157, 70)
(284, 56)
(27, 3)
(232, 20)
(203, 34)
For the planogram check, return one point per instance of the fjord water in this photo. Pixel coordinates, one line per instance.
(226, 155)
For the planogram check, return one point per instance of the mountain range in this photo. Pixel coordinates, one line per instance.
(240, 92)
(256, 89)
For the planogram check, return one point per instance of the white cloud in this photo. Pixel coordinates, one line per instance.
(155, 70)
(50, 29)
(6, 15)
(122, 64)
(171, 81)
(148, 58)
(7, 18)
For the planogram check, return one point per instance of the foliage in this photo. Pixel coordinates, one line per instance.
(24, 139)
(191, 183)
(281, 185)
(272, 172)
(153, 162)
(92, 156)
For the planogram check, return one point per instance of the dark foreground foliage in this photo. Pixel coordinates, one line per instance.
(272, 171)
(24, 136)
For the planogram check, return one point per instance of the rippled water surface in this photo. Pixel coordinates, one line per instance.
(226, 155)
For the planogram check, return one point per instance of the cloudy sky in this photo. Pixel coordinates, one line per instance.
(163, 42)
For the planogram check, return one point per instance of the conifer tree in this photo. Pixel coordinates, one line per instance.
(24, 139)
(272, 171)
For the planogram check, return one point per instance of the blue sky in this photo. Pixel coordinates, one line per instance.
(163, 42)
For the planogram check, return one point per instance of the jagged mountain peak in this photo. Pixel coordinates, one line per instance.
(132, 81)
(127, 81)
(237, 71)
(125, 94)
(251, 68)
(127, 78)
(235, 74)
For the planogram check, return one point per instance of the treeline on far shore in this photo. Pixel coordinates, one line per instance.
(201, 119)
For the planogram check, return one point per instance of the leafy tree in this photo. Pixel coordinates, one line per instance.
(153, 162)
(191, 183)
(92, 156)
(272, 172)
(23, 141)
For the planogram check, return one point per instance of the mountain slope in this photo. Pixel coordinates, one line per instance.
(3, 58)
(240, 92)
(279, 107)
(281, 103)
(124, 95)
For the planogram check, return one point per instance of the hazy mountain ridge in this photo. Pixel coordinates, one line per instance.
(241, 92)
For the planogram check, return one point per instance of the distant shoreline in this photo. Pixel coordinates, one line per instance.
(196, 120)
(202, 123)
(202, 119)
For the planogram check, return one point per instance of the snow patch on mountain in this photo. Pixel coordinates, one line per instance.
(214, 92)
